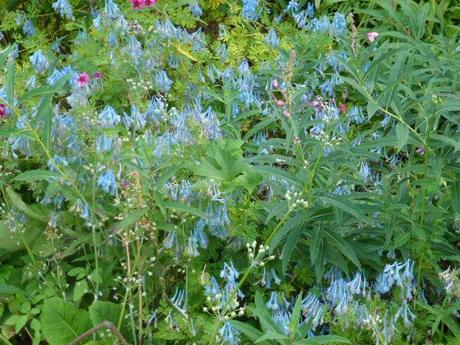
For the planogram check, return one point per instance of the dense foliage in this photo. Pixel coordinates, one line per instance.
(229, 172)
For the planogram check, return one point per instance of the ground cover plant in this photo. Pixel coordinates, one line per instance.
(229, 172)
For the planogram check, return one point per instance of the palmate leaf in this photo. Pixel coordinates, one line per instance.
(62, 321)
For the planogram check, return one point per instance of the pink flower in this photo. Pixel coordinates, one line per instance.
(150, 3)
(138, 4)
(280, 102)
(287, 113)
(2, 111)
(83, 79)
(275, 84)
(98, 75)
(371, 36)
(343, 108)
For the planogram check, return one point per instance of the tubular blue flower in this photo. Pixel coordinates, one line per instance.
(339, 24)
(64, 9)
(273, 301)
(28, 28)
(170, 240)
(134, 49)
(163, 82)
(313, 310)
(108, 183)
(230, 335)
(272, 38)
(103, 144)
(218, 220)
(358, 285)
(199, 233)
(111, 9)
(179, 301)
(82, 208)
(192, 247)
(293, 6)
(195, 8)
(283, 320)
(108, 118)
(406, 314)
(212, 289)
(39, 61)
(250, 9)
(229, 273)
(365, 172)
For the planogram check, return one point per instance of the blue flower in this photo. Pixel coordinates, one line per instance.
(195, 8)
(162, 81)
(28, 28)
(250, 9)
(39, 61)
(273, 301)
(272, 38)
(339, 24)
(108, 118)
(230, 335)
(64, 9)
(108, 183)
(103, 144)
(111, 9)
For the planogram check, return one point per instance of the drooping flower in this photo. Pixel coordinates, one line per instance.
(107, 182)
(28, 28)
(108, 117)
(250, 9)
(272, 38)
(39, 61)
(64, 9)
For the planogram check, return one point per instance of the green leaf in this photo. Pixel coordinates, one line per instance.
(36, 175)
(79, 290)
(402, 134)
(249, 331)
(316, 244)
(48, 90)
(289, 246)
(6, 289)
(346, 205)
(106, 311)
(45, 113)
(62, 322)
(324, 339)
(456, 197)
(272, 336)
(177, 206)
(343, 246)
(130, 219)
(4, 55)
(9, 86)
(21, 206)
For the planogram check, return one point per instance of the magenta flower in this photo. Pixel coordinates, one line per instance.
(371, 36)
(138, 4)
(275, 84)
(98, 75)
(2, 111)
(150, 3)
(83, 79)
(343, 108)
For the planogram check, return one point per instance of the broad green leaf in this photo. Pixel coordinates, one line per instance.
(62, 322)
(316, 244)
(4, 55)
(283, 174)
(402, 134)
(36, 175)
(79, 290)
(21, 206)
(6, 289)
(106, 311)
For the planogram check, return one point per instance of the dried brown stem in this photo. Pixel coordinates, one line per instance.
(106, 324)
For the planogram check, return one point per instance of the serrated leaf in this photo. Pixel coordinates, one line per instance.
(62, 322)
